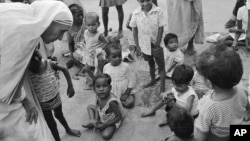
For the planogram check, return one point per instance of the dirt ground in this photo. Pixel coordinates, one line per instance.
(135, 128)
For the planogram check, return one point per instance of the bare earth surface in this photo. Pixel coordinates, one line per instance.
(135, 128)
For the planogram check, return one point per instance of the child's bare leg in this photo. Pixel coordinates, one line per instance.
(120, 16)
(190, 48)
(59, 115)
(151, 64)
(159, 59)
(105, 19)
(93, 116)
(153, 110)
(108, 132)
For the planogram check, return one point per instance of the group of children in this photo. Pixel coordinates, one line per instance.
(210, 94)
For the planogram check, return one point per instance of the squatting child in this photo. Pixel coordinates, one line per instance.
(107, 113)
(183, 95)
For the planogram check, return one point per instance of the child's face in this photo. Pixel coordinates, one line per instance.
(172, 44)
(180, 87)
(115, 57)
(92, 25)
(146, 4)
(78, 16)
(102, 88)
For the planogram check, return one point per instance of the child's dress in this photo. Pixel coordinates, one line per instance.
(93, 48)
(170, 57)
(122, 77)
(103, 113)
(46, 87)
(110, 3)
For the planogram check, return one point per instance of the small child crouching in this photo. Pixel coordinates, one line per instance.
(107, 113)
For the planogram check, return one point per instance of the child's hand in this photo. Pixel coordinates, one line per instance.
(70, 91)
(100, 126)
(124, 96)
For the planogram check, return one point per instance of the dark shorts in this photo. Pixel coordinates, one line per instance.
(156, 56)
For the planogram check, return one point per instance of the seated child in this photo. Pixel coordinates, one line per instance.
(227, 104)
(182, 93)
(172, 54)
(123, 77)
(45, 82)
(107, 113)
(238, 38)
(95, 41)
(181, 123)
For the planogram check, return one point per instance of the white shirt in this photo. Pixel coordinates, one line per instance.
(148, 25)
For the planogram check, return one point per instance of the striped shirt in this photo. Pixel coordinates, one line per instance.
(46, 87)
(217, 116)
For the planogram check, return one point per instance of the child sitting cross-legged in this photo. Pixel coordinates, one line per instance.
(182, 93)
(181, 123)
(227, 103)
(107, 113)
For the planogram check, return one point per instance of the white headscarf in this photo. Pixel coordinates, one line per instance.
(20, 29)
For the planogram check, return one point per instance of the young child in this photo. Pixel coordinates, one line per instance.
(95, 41)
(148, 26)
(181, 123)
(107, 113)
(227, 104)
(182, 93)
(123, 77)
(45, 82)
(172, 54)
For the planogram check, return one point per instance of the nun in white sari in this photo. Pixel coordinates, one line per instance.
(21, 27)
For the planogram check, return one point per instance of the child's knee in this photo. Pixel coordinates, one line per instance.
(108, 134)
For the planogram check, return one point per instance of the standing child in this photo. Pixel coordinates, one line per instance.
(95, 41)
(105, 4)
(148, 26)
(46, 86)
(107, 114)
(172, 55)
(181, 123)
(123, 79)
(183, 94)
(227, 104)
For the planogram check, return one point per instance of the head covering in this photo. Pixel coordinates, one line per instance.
(19, 35)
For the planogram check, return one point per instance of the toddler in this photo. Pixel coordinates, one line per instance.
(148, 25)
(107, 113)
(183, 95)
(123, 77)
(172, 55)
(181, 123)
(45, 82)
(95, 41)
(221, 69)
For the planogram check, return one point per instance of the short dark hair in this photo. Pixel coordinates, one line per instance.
(181, 122)
(220, 65)
(102, 75)
(182, 74)
(168, 37)
(73, 11)
(109, 46)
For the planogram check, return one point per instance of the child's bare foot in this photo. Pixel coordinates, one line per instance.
(147, 114)
(74, 132)
(151, 83)
(163, 123)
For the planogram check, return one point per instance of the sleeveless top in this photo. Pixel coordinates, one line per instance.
(92, 44)
(104, 116)
(46, 87)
